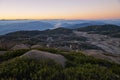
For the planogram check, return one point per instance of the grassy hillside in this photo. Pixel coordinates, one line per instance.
(110, 30)
(78, 67)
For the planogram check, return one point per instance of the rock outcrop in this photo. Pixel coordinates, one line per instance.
(102, 55)
(106, 43)
(2, 52)
(20, 46)
(36, 46)
(40, 55)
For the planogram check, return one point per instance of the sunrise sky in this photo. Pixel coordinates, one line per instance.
(59, 9)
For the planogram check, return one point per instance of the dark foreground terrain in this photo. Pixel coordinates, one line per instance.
(31, 65)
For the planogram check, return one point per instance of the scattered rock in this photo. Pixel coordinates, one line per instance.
(36, 46)
(102, 55)
(2, 52)
(38, 55)
(20, 46)
(106, 43)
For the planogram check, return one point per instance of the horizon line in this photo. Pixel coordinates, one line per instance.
(61, 19)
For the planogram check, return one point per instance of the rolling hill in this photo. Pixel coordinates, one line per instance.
(108, 29)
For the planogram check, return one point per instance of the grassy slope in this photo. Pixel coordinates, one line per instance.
(78, 67)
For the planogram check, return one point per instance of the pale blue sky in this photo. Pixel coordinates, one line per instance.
(59, 9)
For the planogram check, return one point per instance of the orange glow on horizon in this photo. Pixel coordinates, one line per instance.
(63, 17)
(59, 9)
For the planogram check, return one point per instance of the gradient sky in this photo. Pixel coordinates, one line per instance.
(59, 9)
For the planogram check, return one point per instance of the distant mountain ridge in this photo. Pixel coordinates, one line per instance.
(35, 25)
(98, 29)
(7, 26)
(110, 30)
(74, 26)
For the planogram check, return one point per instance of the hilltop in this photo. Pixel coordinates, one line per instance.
(27, 64)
